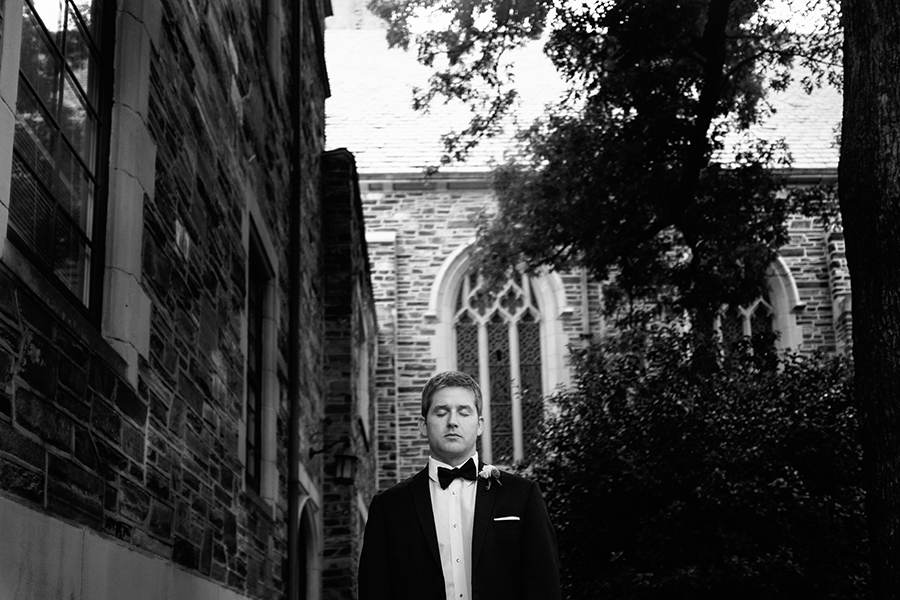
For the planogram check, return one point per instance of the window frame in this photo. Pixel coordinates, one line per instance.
(257, 242)
(783, 300)
(258, 277)
(92, 306)
(550, 297)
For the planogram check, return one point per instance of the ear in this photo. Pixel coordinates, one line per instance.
(422, 429)
(480, 425)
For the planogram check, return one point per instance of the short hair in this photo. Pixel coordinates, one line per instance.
(449, 379)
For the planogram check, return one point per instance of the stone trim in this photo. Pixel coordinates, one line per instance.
(132, 163)
(11, 40)
(786, 302)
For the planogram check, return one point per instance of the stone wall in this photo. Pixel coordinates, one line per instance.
(414, 224)
(810, 261)
(412, 227)
(143, 447)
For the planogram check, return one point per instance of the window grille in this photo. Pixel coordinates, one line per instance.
(498, 342)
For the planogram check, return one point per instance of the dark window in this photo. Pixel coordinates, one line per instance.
(753, 322)
(57, 201)
(258, 279)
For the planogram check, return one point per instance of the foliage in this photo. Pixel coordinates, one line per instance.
(634, 173)
(668, 482)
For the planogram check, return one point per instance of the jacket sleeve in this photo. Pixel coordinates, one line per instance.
(540, 560)
(374, 573)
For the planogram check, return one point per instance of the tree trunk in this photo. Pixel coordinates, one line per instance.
(869, 176)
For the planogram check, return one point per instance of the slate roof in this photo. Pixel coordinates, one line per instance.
(370, 111)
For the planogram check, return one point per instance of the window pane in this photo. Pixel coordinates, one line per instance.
(51, 12)
(80, 59)
(35, 139)
(39, 64)
(89, 13)
(501, 398)
(74, 188)
(732, 325)
(532, 388)
(78, 124)
(70, 263)
(761, 323)
(31, 211)
(467, 346)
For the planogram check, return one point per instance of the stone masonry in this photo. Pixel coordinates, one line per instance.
(142, 447)
(414, 224)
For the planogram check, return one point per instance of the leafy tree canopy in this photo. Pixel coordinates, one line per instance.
(631, 173)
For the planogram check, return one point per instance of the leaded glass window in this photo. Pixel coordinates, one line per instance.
(498, 342)
(60, 144)
(754, 320)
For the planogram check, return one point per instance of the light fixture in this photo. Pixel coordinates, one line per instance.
(344, 467)
(344, 462)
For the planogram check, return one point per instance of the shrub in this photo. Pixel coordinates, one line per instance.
(669, 481)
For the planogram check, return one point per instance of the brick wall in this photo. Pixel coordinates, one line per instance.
(349, 314)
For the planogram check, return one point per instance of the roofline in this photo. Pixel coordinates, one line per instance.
(477, 180)
(419, 180)
(808, 176)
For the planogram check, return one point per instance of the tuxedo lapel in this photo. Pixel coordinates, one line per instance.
(418, 487)
(484, 505)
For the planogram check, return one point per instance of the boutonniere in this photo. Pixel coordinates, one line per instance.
(489, 473)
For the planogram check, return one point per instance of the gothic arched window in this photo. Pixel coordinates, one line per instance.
(753, 320)
(498, 342)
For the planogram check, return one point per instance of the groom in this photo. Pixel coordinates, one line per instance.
(458, 530)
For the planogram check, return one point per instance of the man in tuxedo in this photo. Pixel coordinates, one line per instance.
(454, 530)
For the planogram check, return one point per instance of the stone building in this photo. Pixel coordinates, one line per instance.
(420, 227)
(186, 315)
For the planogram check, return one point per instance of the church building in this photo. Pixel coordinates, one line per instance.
(420, 227)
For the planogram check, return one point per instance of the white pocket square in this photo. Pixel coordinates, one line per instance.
(507, 519)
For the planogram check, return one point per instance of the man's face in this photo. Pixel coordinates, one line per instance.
(452, 425)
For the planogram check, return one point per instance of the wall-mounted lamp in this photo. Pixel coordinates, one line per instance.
(344, 462)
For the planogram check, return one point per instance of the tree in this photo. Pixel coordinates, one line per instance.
(631, 174)
(869, 174)
(665, 481)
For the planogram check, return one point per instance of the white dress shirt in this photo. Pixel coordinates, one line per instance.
(454, 515)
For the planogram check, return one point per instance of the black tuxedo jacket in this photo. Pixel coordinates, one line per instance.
(511, 559)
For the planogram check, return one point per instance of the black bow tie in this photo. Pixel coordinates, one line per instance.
(467, 471)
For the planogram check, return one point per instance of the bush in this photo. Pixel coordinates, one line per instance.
(669, 481)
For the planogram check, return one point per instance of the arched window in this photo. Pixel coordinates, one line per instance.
(512, 342)
(498, 342)
(772, 312)
(737, 322)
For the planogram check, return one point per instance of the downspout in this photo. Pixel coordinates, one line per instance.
(294, 354)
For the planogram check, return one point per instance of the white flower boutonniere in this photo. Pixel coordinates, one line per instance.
(489, 473)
